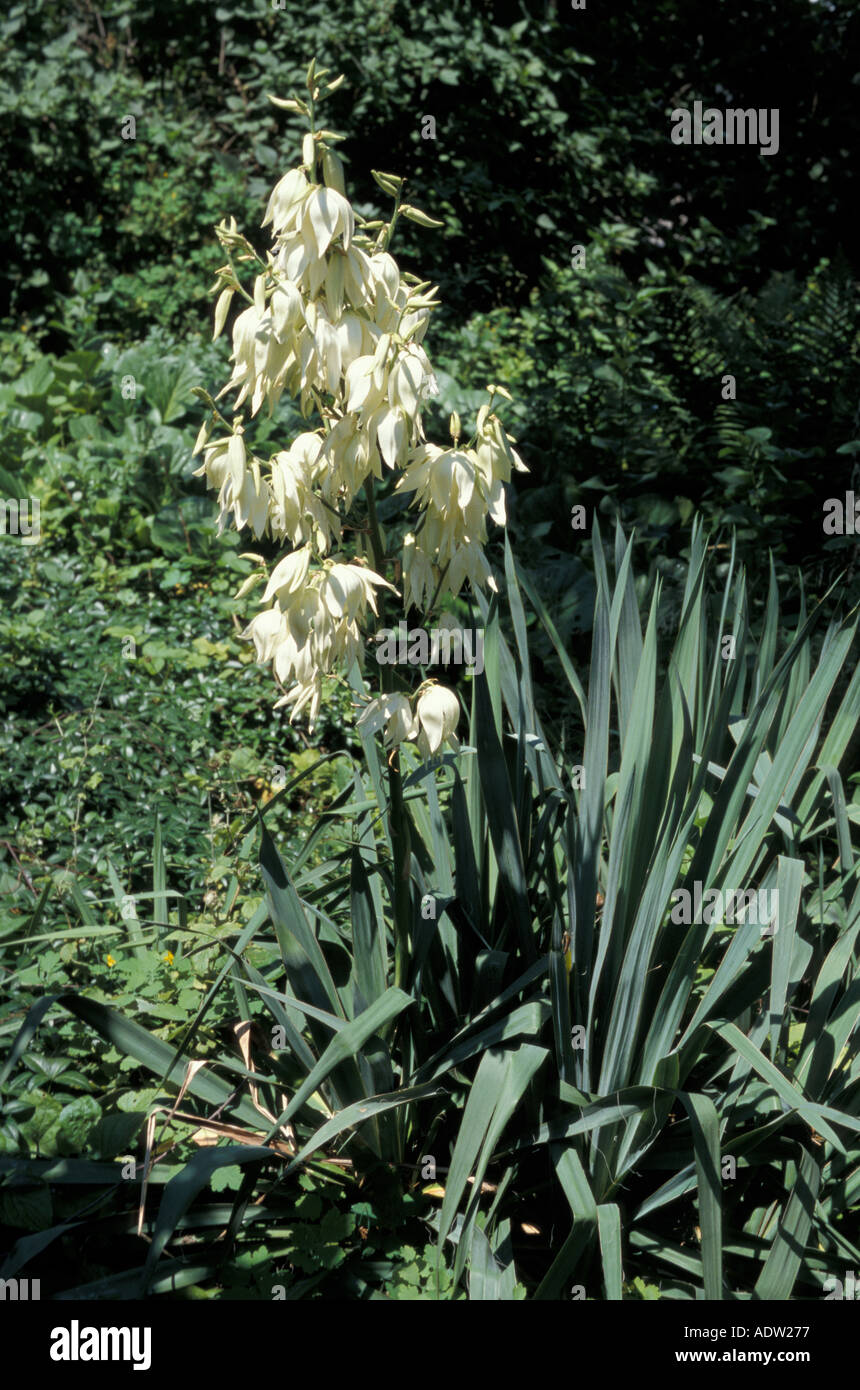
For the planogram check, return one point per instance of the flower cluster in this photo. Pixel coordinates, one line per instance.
(315, 625)
(432, 724)
(458, 489)
(334, 323)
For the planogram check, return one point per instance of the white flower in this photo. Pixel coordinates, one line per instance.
(286, 200)
(365, 382)
(327, 214)
(419, 577)
(437, 712)
(306, 693)
(443, 477)
(469, 562)
(266, 630)
(251, 504)
(349, 455)
(494, 453)
(289, 575)
(386, 279)
(346, 590)
(392, 711)
(354, 337)
(389, 427)
(297, 512)
(261, 354)
(287, 309)
(407, 378)
(358, 282)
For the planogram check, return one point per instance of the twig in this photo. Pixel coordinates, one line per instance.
(24, 874)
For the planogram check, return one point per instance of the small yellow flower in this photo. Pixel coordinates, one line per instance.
(168, 956)
(110, 960)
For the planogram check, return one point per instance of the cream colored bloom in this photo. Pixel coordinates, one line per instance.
(432, 724)
(287, 309)
(437, 713)
(336, 325)
(366, 380)
(394, 713)
(305, 693)
(411, 379)
(267, 630)
(316, 623)
(325, 215)
(469, 562)
(286, 200)
(251, 503)
(495, 454)
(289, 575)
(241, 488)
(298, 513)
(262, 357)
(348, 590)
(419, 576)
(350, 455)
(358, 282)
(389, 428)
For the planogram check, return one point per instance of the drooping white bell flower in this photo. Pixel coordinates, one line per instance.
(285, 201)
(325, 215)
(437, 712)
(289, 574)
(391, 712)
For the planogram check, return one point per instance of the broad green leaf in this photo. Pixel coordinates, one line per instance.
(777, 1279)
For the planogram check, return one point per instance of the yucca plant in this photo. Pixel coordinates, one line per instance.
(491, 986)
(695, 1043)
(647, 1044)
(681, 1098)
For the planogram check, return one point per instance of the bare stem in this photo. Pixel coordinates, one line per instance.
(398, 822)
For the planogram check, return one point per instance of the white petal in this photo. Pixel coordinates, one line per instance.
(496, 504)
(286, 307)
(381, 710)
(329, 212)
(391, 434)
(289, 574)
(405, 383)
(236, 462)
(438, 711)
(342, 591)
(266, 629)
(359, 382)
